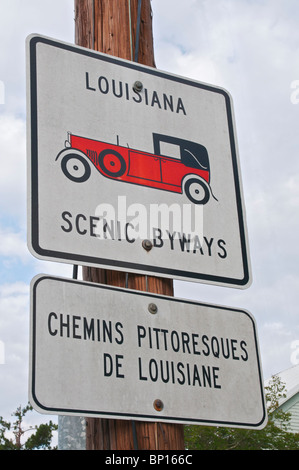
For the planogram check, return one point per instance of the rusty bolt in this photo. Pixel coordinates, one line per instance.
(158, 405)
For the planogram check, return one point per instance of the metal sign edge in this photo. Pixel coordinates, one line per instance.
(97, 414)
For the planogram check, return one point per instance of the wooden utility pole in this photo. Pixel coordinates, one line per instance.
(111, 26)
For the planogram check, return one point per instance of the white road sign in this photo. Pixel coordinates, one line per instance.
(132, 168)
(103, 351)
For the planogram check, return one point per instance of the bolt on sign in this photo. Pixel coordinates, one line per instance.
(103, 351)
(132, 168)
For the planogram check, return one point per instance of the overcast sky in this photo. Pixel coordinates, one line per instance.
(250, 48)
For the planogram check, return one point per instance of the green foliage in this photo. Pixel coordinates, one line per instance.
(274, 436)
(39, 439)
(42, 438)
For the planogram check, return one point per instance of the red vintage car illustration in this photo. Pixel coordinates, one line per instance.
(185, 168)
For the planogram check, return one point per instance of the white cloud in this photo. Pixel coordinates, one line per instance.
(13, 245)
(14, 329)
(18, 19)
(13, 166)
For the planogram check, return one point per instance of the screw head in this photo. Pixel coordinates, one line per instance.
(137, 86)
(152, 308)
(158, 405)
(147, 245)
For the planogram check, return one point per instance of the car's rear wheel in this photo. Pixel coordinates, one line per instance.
(112, 163)
(197, 191)
(75, 167)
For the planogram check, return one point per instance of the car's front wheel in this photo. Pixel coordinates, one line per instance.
(197, 191)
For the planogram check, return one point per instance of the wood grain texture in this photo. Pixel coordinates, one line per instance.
(109, 26)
